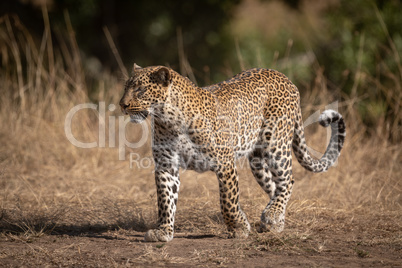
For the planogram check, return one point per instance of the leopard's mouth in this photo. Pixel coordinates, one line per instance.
(138, 117)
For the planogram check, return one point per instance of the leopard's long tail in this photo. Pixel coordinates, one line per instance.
(338, 134)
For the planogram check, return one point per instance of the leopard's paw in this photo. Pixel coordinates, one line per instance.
(158, 235)
(241, 231)
(239, 234)
(272, 222)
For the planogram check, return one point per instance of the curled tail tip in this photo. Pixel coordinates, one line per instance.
(338, 134)
(328, 117)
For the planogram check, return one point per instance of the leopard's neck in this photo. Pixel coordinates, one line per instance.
(190, 99)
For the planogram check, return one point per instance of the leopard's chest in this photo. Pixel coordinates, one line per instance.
(193, 156)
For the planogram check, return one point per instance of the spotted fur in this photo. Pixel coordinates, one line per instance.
(254, 114)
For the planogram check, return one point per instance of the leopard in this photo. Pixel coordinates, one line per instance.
(255, 114)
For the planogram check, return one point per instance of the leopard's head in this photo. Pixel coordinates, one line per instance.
(145, 89)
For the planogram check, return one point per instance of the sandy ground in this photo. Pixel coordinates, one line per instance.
(100, 222)
(337, 242)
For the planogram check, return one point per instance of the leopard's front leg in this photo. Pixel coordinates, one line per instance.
(167, 186)
(235, 219)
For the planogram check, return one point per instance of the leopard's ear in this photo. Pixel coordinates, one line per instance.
(135, 68)
(162, 76)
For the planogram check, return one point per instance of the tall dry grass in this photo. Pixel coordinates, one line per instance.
(40, 168)
(47, 184)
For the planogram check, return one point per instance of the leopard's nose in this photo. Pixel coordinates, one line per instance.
(124, 106)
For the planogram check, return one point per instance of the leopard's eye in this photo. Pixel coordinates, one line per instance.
(139, 91)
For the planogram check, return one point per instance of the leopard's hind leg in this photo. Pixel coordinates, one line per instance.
(260, 170)
(271, 164)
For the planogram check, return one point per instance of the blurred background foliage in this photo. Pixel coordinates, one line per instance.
(355, 45)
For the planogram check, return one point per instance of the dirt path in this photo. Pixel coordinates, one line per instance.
(339, 243)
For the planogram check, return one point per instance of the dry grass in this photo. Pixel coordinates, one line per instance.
(49, 186)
